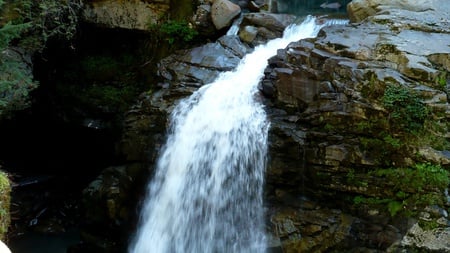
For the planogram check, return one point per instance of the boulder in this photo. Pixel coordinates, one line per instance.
(223, 12)
(258, 28)
(202, 20)
(434, 240)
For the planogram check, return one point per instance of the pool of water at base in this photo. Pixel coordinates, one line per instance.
(34, 242)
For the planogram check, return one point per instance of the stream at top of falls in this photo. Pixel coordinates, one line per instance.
(207, 192)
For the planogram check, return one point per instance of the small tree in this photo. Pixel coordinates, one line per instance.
(15, 76)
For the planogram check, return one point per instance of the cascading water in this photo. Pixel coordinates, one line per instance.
(206, 195)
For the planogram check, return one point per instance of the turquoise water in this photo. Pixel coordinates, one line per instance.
(313, 7)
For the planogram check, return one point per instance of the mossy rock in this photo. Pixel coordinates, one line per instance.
(5, 199)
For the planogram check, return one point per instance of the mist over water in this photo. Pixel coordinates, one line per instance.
(206, 195)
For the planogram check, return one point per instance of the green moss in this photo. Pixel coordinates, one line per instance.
(428, 225)
(416, 179)
(373, 126)
(385, 49)
(110, 96)
(50, 19)
(5, 198)
(370, 200)
(353, 179)
(328, 127)
(407, 113)
(411, 188)
(372, 88)
(175, 32)
(101, 68)
(182, 9)
(382, 147)
(102, 83)
(441, 80)
(394, 207)
(432, 135)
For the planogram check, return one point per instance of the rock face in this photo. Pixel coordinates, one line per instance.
(135, 14)
(104, 224)
(333, 125)
(407, 14)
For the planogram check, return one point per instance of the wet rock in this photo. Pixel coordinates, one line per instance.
(330, 89)
(223, 12)
(108, 190)
(436, 156)
(435, 240)
(248, 34)
(359, 10)
(201, 65)
(258, 28)
(203, 22)
(109, 204)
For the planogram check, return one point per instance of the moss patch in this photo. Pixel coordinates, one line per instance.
(412, 188)
(5, 198)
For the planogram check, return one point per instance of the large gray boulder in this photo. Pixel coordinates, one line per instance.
(223, 12)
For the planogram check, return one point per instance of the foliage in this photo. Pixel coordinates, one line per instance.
(416, 179)
(441, 80)
(417, 186)
(9, 32)
(394, 207)
(109, 96)
(382, 146)
(433, 135)
(428, 225)
(31, 26)
(406, 111)
(15, 82)
(102, 82)
(100, 68)
(353, 179)
(50, 19)
(174, 31)
(15, 76)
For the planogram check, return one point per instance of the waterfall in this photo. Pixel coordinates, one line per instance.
(206, 195)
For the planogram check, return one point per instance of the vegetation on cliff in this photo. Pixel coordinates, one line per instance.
(25, 28)
(5, 198)
(15, 77)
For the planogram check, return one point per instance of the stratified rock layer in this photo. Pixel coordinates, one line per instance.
(332, 127)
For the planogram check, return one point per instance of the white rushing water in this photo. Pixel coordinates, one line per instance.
(206, 195)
